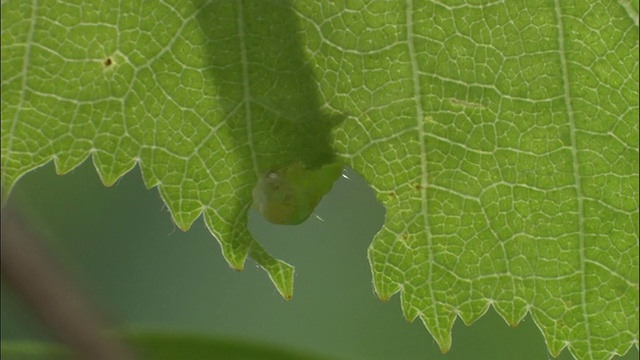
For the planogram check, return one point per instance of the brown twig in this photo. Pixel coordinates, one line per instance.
(36, 277)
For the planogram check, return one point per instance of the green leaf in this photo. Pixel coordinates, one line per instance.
(160, 346)
(30, 350)
(502, 138)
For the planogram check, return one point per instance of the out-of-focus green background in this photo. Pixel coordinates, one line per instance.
(120, 246)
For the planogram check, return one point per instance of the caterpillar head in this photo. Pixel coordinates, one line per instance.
(290, 194)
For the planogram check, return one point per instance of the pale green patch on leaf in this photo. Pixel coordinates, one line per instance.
(502, 137)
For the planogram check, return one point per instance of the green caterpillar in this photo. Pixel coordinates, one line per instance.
(289, 195)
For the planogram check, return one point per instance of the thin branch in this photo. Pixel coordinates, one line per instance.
(39, 280)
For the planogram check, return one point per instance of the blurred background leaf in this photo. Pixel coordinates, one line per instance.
(163, 346)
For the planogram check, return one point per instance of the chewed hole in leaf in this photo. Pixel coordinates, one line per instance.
(352, 216)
